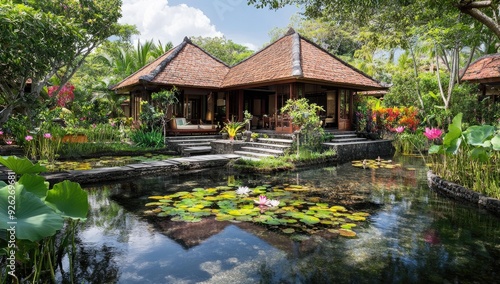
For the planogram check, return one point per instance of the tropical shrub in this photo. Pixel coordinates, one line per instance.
(37, 225)
(232, 127)
(147, 139)
(469, 157)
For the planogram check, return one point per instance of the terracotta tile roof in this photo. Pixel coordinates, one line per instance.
(293, 56)
(290, 57)
(185, 65)
(485, 69)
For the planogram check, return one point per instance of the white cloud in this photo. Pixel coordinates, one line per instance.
(156, 20)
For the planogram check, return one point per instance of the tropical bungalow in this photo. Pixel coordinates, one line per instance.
(485, 71)
(212, 92)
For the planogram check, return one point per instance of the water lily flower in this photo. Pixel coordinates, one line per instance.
(47, 135)
(273, 203)
(1, 132)
(28, 138)
(433, 133)
(9, 142)
(262, 200)
(243, 190)
(399, 129)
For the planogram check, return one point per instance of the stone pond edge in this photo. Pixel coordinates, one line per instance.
(461, 193)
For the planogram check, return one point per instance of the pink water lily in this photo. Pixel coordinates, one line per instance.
(28, 138)
(262, 200)
(433, 133)
(47, 135)
(399, 129)
(9, 142)
(1, 132)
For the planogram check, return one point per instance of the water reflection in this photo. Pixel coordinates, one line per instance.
(413, 235)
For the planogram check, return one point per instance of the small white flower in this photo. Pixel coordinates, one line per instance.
(243, 190)
(273, 203)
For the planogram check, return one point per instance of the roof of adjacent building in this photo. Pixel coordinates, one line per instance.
(484, 70)
(291, 57)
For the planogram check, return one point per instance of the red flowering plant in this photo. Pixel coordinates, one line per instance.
(65, 95)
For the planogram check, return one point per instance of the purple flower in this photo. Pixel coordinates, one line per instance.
(433, 133)
(47, 135)
(28, 138)
(399, 129)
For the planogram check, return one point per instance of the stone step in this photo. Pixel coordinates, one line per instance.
(275, 141)
(193, 137)
(189, 141)
(268, 145)
(344, 140)
(253, 154)
(192, 144)
(263, 150)
(344, 136)
(196, 150)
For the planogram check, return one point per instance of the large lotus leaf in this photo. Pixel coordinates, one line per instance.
(35, 220)
(477, 135)
(495, 142)
(480, 154)
(35, 184)
(454, 146)
(69, 199)
(21, 166)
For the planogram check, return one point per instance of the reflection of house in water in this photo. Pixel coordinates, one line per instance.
(211, 91)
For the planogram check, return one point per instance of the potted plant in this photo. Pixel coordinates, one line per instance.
(232, 127)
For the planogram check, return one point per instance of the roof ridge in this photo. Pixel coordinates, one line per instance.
(296, 55)
(149, 77)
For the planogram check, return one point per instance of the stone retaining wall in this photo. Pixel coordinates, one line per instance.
(362, 150)
(459, 192)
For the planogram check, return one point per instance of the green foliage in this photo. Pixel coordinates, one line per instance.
(78, 150)
(147, 139)
(46, 39)
(232, 128)
(226, 50)
(39, 213)
(469, 157)
(408, 143)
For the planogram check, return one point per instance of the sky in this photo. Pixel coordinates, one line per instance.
(172, 20)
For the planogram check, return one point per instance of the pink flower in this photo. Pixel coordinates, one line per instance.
(1, 132)
(433, 133)
(399, 129)
(28, 138)
(9, 142)
(262, 200)
(47, 135)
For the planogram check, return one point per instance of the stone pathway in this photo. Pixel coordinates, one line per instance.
(100, 175)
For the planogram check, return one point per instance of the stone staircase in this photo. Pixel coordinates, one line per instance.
(191, 145)
(265, 147)
(344, 137)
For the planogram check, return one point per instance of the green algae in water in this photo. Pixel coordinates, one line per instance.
(281, 206)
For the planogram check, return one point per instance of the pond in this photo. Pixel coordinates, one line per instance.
(412, 235)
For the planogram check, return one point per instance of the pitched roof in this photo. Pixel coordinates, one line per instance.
(290, 57)
(294, 57)
(484, 70)
(185, 65)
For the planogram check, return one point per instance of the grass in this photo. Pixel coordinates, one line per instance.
(78, 150)
(283, 163)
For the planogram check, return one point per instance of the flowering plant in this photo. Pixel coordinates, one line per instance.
(65, 95)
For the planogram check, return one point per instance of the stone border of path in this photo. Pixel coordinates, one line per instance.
(459, 192)
(141, 169)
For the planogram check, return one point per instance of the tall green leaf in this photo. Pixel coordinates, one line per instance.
(495, 142)
(69, 199)
(477, 135)
(34, 219)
